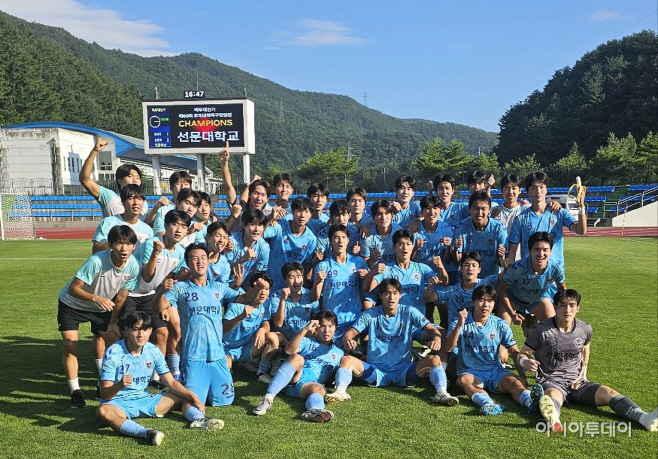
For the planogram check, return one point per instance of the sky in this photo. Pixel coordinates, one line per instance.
(463, 62)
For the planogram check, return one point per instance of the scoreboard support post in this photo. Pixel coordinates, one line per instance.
(201, 172)
(246, 168)
(157, 187)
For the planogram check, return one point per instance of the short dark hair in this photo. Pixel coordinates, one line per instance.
(327, 315)
(256, 183)
(333, 229)
(405, 178)
(124, 171)
(475, 177)
(175, 215)
(132, 191)
(290, 266)
(535, 177)
(136, 317)
(562, 295)
(189, 192)
(317, 187)
(430, 201)
(260, 275)
(121, 234)
(378, 204)
(203, 196)
(438, 179)
(191, 247)
(479, 196)
(253, 216)
(339, 207)
(282, 177)
(472, 255)
(392, 282)
(215, 226)
(540, 236)
(356, 190)
(402, 234)
(179, 176)
(301, 203)
(510, 179)
(482, 291)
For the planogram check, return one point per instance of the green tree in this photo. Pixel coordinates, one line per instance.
(616, 162)
(437, 157)
(647, 157)
(487, 164)
(331, 167)
(523, 166)
(565, 170)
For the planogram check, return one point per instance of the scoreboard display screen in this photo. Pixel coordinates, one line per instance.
(198, 126)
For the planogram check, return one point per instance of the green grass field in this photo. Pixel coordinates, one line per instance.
(618, 279)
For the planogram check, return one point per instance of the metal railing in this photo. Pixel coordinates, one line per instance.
(629, 203)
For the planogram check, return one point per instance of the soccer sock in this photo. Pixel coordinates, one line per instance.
(524, 398)
(132, 429)
(315, 400)
(193, 413)
(264, 366)
(99, 365)
(174, 363)
(481, 398)
(625, 407)
(74, 384)
(439, 380)
(343, 379)
(281, 378)
(557, 406)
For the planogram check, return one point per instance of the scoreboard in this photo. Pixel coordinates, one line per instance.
(198, 126)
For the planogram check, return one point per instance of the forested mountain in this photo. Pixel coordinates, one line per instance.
(612, 89)
(47, 74)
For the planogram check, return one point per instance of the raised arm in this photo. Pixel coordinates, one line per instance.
(85, 173)
(229, 190)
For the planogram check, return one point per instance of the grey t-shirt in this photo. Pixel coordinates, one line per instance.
(559, 353)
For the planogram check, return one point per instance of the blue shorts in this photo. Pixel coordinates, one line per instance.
(295, 389)
(242, 353)
(210, 381)
(377, 377)
(522, 307)
(489, 378)
(141, 407)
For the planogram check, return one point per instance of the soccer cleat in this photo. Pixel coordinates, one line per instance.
(317, 415)
(548, 411)
(157, 385)
(492, 409)
(264, 378)
(263, 407)
(209, 424)
(536, 394)
(337, 396)
(77, 399)
(155, 436)
(650, 421)
(445, 399)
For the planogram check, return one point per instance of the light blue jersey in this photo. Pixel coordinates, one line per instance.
(168, 262)
(341, 292)
(111, 204)
(434, 246)
(141, 229)
(158, 223)
(296, 315)
(366, 220)
(200, 310)
(457, 298)
(413, 280)
(118, 362)
(478, 346)
(455, 213)
(390, 338)
(527, 223)
(244, 332)
(525, 286)
(324, 244)
(321, 359)
(382, 243)
(316, 224)
(404, 217)
(219, 271)
(484, 242)
(258, 263)
(286, 246)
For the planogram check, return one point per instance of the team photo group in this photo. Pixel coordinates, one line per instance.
(313, 298)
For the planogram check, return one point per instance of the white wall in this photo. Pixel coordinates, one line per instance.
(74, 148)
(644, 216)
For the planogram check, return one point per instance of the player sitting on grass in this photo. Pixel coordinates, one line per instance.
(389, 359)
(127, 368)
(405, 208)
(377, 247)
(199, 304)
(313, 357)
(96, 294)
(479, 370)
(560, 347)
(132, 199)
(318, 193)
(339, 214)
(524, 290)
(247, 336)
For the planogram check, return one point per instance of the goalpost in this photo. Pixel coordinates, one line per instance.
(16, 219)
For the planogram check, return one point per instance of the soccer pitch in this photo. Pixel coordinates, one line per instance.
(618, 279)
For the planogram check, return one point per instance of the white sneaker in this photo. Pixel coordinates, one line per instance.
(207, 424)
(264, 378)
(263, 407)
(650, 421)
(445, 399)
(317, 415)
(155, 436)
(337, 396)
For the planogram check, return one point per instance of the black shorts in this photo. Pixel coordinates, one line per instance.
(584, 395)
(69, 318)
(140, 303)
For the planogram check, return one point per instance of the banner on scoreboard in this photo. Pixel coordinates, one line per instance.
(198, 126)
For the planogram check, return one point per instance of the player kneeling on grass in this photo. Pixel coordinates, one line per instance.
(127, 368)
(313, 359)
(389, 360)
(560, 346)
(247, 335)
(478, 367)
